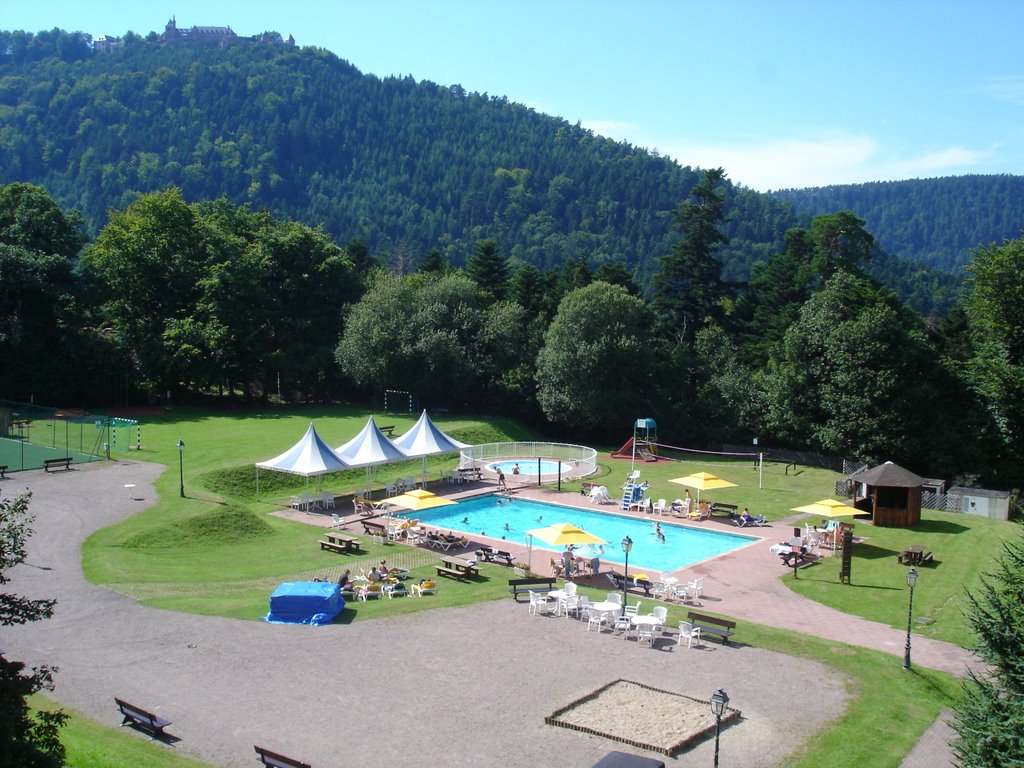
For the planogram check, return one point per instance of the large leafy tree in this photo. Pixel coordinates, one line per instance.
(990, 712)
(597, 365)
(852, 374)
(995, 308)
(26, 739)
(214, 294)
(688, 288)
(40, 315)
(435, 335)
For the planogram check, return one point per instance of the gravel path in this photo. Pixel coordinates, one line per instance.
(454, 687)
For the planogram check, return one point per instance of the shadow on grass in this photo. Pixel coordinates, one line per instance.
(873, 552)
(939, 526)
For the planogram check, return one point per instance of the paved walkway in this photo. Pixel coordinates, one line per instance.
(453, 686)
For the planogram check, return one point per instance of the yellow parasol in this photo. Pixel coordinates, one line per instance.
(561, 534)
(703, 481)
(418, 500)
(827, 508)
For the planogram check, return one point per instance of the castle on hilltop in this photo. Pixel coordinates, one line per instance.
(214, 35)
(194, 36)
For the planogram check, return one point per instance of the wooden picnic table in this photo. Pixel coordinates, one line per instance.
(911, 555)
(340, 542)
(459, 564)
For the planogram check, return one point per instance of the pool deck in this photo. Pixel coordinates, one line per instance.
(743, 584)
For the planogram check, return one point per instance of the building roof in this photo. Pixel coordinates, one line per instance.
(888, 475)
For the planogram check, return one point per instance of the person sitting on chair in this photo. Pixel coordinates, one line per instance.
(345, 581)
(745, 518)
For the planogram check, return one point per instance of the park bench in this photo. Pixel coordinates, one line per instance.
(645, 584)
(709, 625)
(443, 570)
(140, 718)
(277, 760)
(374, 529)
(523, 586)
(49, 464)
(494, 555)
(389, 430)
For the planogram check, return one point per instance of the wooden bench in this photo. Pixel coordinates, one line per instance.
(709, 625)
(374, 529)
(49, 464)
(524, 586)
(645, 584)
(389, 430)
(140, 718)
(494, 555)
(443, 570)
(277, 760)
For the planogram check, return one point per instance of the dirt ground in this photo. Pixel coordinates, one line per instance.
(455, 687)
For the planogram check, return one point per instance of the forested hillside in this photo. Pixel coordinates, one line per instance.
(404, 166)
(936, 222)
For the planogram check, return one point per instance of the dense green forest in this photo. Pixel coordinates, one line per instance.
(927, 221)
(730, 319)
(405, 166)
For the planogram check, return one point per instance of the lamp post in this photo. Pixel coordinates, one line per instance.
(181, 468)
(911, 581)
(719, 701)
(627, 544)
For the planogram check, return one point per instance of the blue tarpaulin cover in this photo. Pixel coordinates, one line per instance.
(305, 602)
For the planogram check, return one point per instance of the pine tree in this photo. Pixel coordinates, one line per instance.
(688, 289)
(990, 714)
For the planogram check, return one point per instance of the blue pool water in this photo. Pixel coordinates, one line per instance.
(528, 466)
(489, 515)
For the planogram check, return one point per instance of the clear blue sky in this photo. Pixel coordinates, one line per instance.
(779, 93)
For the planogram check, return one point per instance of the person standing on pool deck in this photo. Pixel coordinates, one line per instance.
(501, 479)
(567, 561)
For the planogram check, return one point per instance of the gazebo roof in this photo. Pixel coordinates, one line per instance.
(888, 475)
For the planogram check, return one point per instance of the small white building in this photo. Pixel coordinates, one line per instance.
(994, 505)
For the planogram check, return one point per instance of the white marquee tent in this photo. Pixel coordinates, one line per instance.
(425, 439)
(309, 457)
(368, 449)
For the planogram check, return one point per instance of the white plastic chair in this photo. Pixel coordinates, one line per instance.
(659, 507)
(584, 608)
(538, 603)
(645, 634)
(597, 619)
(570, 604)
(614, 597)
(696, 587)
(690, 632)
(337, 521)
(622, 624)
(633, 610)
(660, 612)
(569, 588)
(328, 500)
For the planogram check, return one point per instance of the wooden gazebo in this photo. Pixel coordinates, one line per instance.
(889, 494)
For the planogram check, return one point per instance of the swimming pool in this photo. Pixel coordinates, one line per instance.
(527, 466)
(499, 518)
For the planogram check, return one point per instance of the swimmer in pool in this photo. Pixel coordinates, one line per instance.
(465, 519)
(505, 526)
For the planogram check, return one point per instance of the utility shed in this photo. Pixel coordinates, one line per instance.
(889, 494)
(995, 505)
